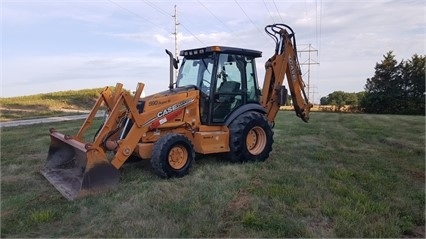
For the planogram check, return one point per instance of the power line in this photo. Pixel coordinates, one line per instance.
(320, 27)
(176, 39)
(269, 12)
(316, 21)
(176, 23)
(211, 13)
(279, 14)
(175, 32)
(137, 15)
(157, 8)
(192, 33)
(249, 18)
(229, 29)
(309, 62)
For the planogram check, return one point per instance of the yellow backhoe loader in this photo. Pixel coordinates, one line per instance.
(215, 106)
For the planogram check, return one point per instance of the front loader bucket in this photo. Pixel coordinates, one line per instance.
(76, 171)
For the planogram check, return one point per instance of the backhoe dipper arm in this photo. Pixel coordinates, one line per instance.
(283, 63)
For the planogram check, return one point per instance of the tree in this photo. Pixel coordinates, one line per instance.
(413, 72)
(396, 88)
(340, 99)
(380, 89)
(324, 100)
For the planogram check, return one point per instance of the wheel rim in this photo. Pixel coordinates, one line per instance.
(178, 156)
(256, 140)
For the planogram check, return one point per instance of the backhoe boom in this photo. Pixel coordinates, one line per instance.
(283, 64)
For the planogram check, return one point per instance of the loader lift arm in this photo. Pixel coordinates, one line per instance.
(283, 64)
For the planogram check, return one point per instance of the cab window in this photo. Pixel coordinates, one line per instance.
(252, 90)
(197, 72)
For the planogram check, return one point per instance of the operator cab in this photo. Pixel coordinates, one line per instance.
(225, 76)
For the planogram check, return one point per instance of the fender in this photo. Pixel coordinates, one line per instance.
(244, 108)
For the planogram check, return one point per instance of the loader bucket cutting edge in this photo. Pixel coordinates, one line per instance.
(74, 171)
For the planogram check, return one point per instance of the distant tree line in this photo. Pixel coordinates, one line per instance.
(341, 99)
(395, 88)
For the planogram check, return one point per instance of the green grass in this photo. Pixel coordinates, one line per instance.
(341, 175)
(49, 104)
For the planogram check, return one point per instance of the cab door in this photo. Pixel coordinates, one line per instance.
(235, 85)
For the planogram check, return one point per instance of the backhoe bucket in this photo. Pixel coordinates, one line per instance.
(76, 171)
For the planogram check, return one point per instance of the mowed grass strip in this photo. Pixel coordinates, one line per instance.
(340, 175)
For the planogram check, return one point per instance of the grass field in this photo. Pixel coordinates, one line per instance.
(341, 175)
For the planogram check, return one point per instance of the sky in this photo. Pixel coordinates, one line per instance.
(57, 45)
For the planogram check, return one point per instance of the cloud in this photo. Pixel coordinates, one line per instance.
(149, 38)
(186, 39)
(36, 12)
(108, 43)
(64, 72)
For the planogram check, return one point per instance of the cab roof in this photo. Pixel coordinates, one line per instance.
(220, 49)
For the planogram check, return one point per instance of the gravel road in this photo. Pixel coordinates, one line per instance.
(14, 123)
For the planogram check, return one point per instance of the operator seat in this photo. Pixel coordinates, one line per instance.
(226, 98)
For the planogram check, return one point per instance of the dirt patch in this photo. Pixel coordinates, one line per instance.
(320, 226)
(233, 211)
(394, 143)
(418, 232)
(417, 175)
(239, 203)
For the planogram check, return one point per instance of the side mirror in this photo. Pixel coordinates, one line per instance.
(173, 60)
(173, 63)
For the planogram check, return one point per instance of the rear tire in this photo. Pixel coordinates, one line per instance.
(251, 138)
(172, 156)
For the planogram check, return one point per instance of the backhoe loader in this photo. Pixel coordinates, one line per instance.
(215, 106)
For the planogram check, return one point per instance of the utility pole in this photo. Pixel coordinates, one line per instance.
(309, 62)
(176, 39)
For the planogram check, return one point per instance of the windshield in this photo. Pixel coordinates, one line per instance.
(196, 72)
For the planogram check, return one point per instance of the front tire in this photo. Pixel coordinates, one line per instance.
(172, 156)
(251, 138)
